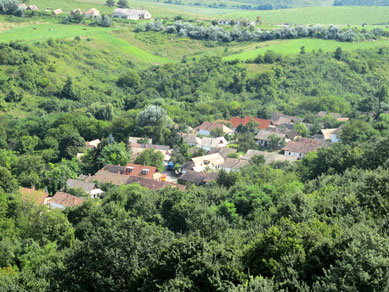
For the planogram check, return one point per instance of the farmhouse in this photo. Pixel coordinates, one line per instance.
(209, 143)
(300, 148)
(206, 128)
(31, 195)
(87, 187)
(197, 178)
(22, 6)
(57, 11)
(234, 164)
(92, 13)
(132, 14)
(92, 144)
(33, 8)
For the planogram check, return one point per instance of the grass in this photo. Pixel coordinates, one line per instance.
(286, 47)
(61, 31)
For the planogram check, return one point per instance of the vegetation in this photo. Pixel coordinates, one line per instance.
(319, 224)
(361, 3)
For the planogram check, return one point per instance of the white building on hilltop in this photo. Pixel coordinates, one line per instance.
(133, 14)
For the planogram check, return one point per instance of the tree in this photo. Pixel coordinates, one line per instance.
(302, 50)
(151, 157)
(382, 96)
(116, 154)
(301, 129)
(8, 183)
(339, 53)
(226, 179)
(129, 79)
(106, 21)
(68, 90)
(217, 132)
(122, 4)
(110, 3)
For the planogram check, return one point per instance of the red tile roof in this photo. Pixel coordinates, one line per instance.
(137, 170)
(236, 121)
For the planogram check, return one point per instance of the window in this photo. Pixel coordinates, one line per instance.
(145, 171)
(129, 168)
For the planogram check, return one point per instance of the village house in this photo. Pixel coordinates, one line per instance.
(76, 12)
(92, 13)
(92, 144)
(206, 128)
(233, 164)
(191, 139)
(32, 8)
(224, 22)
(63, 200)
(262, 124)
(133, 14)
(139, 140)
(88, 187)
(211, 161)
(140, 170)
(197, 178)
(279, 119)
(303, 146)
(57, 11)
(269, 156)
(264, 138)
(224, 152)
(289, 133)
(22, 6)
(212, 143)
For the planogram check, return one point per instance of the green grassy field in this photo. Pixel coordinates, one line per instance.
(286, 47)
(60, 31)
(305, 15)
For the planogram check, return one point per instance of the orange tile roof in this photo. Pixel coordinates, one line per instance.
(66, 200)
(137, 170)
(236, 121)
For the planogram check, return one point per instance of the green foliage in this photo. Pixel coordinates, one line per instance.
(116, 154)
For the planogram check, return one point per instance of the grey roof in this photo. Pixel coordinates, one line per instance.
(264, 135)
(129, 12)
(199, 178)
(290, 134)
(188, 165)
(192, 139)
(234, 163)
(276, 117)
(225, 151)
(269, 156)
(105, 176)
(114, 168)
(87, 187)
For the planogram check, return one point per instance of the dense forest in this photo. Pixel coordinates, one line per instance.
(319, 224)
(361, 2)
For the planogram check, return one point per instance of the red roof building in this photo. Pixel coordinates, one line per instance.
(140, 170)
(236, 122)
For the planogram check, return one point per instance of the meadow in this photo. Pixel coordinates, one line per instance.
(286, 47)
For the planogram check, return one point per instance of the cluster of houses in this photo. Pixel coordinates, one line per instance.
(236, 22)
(276, 137)
(122, 13)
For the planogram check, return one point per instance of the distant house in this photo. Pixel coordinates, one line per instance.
(211, 161)
(57, 11)
(262, 124)
(224, 152)
(289, 133)
(300, 148)
(92, 13)
(76, 12)
(33, 8)
(106, 176)
(63, 200)
(233, 164)
(252, 23)
(22, 6)
(88, 187)
(336, 116)
(92, 144)
(153, 184)
(139, 140)
(209, 143)
(279, 118)
(263, 138)
(132, 14)
(269, 156)
(206, 128)
(191, 139)
(31, 195)
(197, 178)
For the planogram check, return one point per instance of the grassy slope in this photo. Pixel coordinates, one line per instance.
(286, 47)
